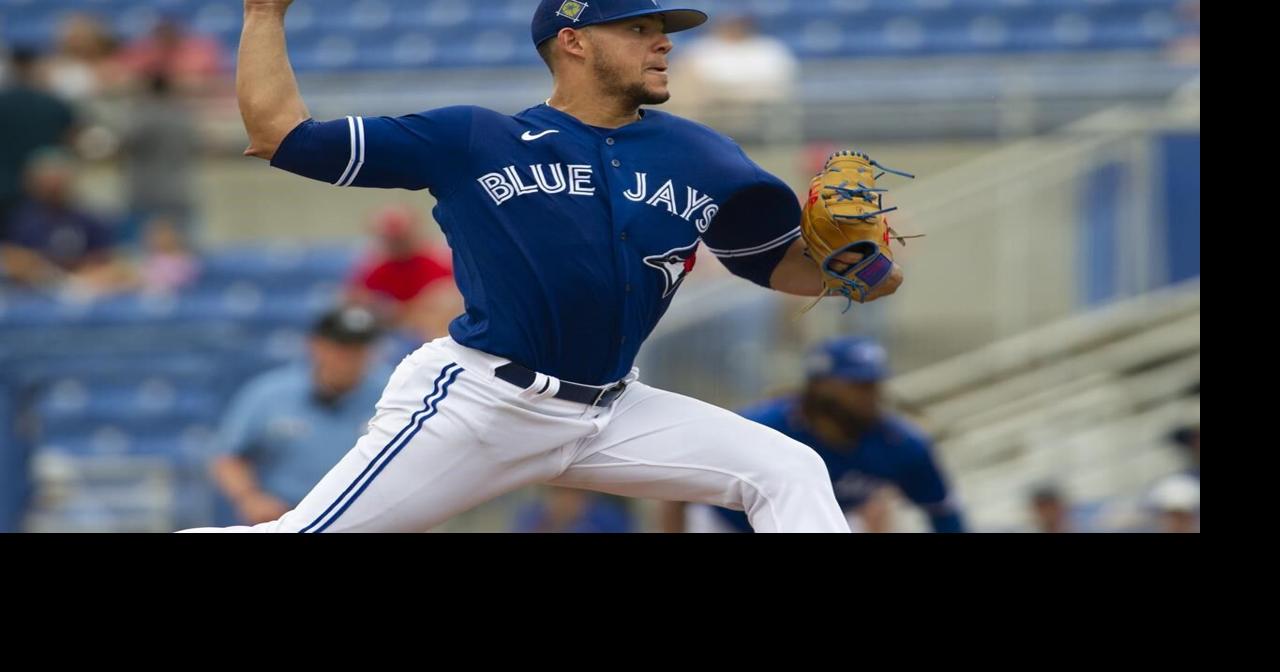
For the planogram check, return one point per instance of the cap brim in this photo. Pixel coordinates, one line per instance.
(674, 20)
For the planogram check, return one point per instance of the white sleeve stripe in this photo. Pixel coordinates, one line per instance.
(361, 143)
(351, 126)
(746, 252)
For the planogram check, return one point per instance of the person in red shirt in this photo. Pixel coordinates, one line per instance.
(406, 278)
(193, 63)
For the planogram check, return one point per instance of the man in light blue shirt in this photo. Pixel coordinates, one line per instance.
(286, 428)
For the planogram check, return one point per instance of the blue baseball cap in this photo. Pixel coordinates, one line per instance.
(553, 16)
(861, 360)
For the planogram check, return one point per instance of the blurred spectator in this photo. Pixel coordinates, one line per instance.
(285, 429)
(168, 264)
(1050, 510)
(1176, 504)
(565, 510)
(1175, 500)
(738, 80)
(30, 119)
(405, 278)
(81, 66)
(1185, 48)
(841, 415)
(51, 241)
(1188, 438)
(735, 64)
(160, 150)
(193, 63)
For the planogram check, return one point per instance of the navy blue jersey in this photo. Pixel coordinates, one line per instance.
(893, 452)
(569, 240)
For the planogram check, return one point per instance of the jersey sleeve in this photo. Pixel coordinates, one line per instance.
(755, 226)
(923, 483)
(417, 151)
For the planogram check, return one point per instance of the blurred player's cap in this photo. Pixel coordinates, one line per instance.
(349, 325)
(553, 16)
(856, 359)
(1186, 436)
(1046, 493)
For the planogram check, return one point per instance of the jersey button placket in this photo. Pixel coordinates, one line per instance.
(622, 251)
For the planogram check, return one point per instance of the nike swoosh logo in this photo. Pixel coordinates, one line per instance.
(530, 137)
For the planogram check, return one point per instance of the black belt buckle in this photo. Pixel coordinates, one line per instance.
(609, 395)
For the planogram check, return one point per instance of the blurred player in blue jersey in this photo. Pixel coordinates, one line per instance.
(840, 415)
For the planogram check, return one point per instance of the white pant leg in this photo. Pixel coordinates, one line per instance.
(447, 437)
(662, 445)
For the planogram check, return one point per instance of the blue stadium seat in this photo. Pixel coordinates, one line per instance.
(336, 35)
(260, 263)
(28, 310)
(219, 18)
(178, 442)
(134, 379)
(14, 480)
(75, 403)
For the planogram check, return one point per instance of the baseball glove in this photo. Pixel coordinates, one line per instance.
(844, 219)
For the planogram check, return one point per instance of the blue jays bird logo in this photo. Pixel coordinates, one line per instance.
(572, 10)
(674, 265)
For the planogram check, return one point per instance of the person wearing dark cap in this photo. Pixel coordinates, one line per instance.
(286, 428)
(31, 118)
(840, 414)
(1050, 510)
(1174, 501)
(1188, 438)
